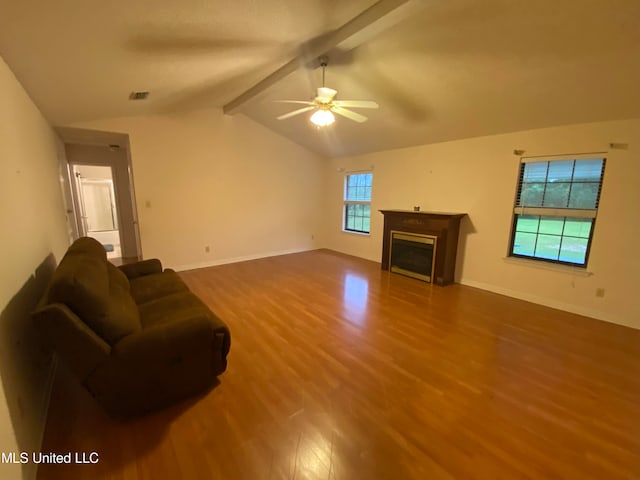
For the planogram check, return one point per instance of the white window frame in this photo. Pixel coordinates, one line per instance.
(348, 202)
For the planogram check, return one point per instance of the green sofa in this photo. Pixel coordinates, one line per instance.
(135, 336)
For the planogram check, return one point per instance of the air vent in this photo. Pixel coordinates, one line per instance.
(138, 95)
(619, 146)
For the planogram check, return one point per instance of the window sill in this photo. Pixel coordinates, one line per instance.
(576, 271)
(361, 234)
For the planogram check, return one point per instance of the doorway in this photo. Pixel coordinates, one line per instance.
(100, 188)
(96, 200)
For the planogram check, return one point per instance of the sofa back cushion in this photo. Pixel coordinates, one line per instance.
(116, 276)
(95, 291)
(89, 246)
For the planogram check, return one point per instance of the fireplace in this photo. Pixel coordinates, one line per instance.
(412, 254)
(428, 230)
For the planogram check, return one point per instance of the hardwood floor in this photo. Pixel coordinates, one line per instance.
(339, 370)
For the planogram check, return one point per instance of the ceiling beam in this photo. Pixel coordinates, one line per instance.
(379, 17)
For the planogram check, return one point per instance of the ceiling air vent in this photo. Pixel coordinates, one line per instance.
(138, 95)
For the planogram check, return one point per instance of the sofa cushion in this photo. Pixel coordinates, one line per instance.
(89, 246)
(141, 268)
(121, 317)
(82, 282)
(117, 276)
(176, 307)
(151, 287)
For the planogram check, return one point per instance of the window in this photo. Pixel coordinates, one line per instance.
(555, 209)
(357, 202)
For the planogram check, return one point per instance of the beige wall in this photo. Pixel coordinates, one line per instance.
(207, 179)
(478, 176)
(34, 236)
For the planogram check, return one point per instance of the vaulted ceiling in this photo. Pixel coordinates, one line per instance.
(443, 70)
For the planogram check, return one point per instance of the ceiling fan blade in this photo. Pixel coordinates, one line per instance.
(356, 103)
(303, 102)
(356, 117)
(295, 112)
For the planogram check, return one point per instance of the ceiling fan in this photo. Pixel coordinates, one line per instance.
(326, 105)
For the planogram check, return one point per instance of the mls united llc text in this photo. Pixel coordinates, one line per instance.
(40, 457)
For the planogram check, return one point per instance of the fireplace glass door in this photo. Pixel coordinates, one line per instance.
(413, 255)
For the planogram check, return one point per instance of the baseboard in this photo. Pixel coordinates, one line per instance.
(547, 302)
(245, 258)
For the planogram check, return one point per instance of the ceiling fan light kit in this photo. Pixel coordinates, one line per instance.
(322, 118)
(325, 105)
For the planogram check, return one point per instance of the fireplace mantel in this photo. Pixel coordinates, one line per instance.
(444, 226)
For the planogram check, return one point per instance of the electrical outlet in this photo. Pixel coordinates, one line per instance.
(207, 248)
(599, 292)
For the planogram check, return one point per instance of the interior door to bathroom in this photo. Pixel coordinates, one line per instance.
(98, 211)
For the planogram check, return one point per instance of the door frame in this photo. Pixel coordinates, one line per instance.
(121, 172)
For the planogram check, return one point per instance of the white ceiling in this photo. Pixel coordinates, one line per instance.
(457, 69)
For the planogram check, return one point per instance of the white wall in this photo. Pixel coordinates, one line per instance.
(34, 236)
(478, 176)
(207, 179)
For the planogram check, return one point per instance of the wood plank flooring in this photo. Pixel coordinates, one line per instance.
(339, 370)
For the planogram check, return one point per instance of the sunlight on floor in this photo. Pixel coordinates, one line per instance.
(355, 296)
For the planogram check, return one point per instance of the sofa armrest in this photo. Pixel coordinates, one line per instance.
(161, 364)
(142, 268)
(80, 348)
(169, 341)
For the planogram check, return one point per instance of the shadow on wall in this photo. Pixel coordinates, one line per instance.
(26, 363)
(466, 228)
